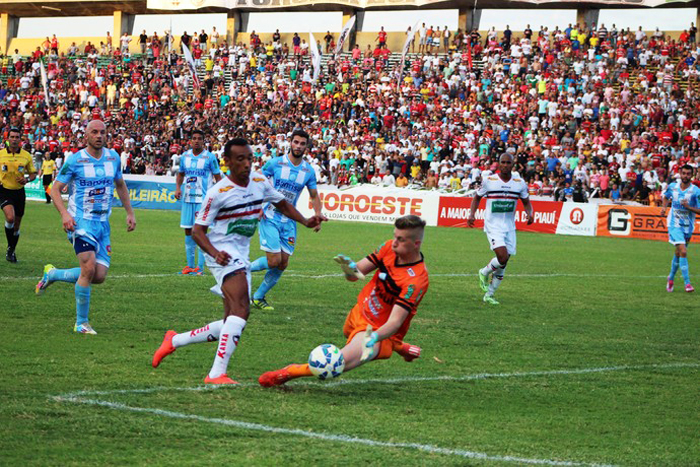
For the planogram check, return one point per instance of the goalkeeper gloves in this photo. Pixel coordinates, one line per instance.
(349, 267)
(369, 341)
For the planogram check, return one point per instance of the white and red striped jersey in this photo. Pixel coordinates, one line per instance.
(232, 212)
(501, 201)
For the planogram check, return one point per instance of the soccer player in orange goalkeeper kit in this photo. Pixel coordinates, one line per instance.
(377, 324)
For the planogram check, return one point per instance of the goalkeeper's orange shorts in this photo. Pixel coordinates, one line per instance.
(356, 323)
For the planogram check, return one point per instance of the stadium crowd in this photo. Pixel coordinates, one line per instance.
(587, 112)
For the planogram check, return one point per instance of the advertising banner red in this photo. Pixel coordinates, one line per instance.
(454, 212)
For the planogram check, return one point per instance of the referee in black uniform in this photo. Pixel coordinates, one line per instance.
(16, 170)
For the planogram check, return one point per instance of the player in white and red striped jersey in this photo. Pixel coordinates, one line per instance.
(231, 210)
(502, 191)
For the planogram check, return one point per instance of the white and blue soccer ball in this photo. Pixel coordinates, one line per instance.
(326, 361)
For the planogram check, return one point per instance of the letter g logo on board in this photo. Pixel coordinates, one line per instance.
(619, 222)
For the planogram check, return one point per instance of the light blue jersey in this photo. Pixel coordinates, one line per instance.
(288, 179)
(198, 171)
(681, 222)
(91, 184)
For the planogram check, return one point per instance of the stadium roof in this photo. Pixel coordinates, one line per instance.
(53, 8)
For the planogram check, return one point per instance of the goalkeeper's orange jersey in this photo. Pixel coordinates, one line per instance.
(404, 285)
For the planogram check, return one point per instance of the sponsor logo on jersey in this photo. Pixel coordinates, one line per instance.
(411, 272)
(97, 192)
(109, 250)
(409, 292)
(100, 212)
(291, 240)
(191, 179)
(259, 179)
(90, 183)
(503, 206)
(206, 209)
(243, 227)
(225, 189)
(197, 172)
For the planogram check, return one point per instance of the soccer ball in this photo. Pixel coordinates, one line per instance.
(326, 361)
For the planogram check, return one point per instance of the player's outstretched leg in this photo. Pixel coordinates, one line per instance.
(487, 271)
(272, 276)
(173, 340)
(51, 275)
(288, 373)
(259, 264)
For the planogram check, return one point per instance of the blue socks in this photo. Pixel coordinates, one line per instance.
(271, 278)
(190, 247)
(684, 270)
(259, 264)
(64, 275)
(200, 263)
(82, 303)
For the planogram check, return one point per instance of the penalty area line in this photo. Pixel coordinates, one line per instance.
(321, 436)
(399, 380)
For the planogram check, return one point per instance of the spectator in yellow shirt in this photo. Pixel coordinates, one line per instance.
(415, 169)
(455, 181)
(402, 181)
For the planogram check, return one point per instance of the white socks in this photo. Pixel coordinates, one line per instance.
(491, 267)
(230, 333)
(496, 280)
(208, 333)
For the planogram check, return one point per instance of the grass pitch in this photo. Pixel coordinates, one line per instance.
(586, 361)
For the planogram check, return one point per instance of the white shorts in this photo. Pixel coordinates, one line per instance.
(237, 263)
(498, 239)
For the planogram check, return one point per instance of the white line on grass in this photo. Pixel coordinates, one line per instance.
(326, 276)
(322, 436)
(400, 380)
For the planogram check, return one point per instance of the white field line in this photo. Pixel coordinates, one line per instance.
(321, 436)
(400, 380)
(325, 276)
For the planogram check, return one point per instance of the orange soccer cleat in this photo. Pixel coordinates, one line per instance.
(186, 271)
(165, 349)
(275, 378)
(222, 379)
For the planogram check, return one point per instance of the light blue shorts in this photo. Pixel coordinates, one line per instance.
(188, 214)
(278, 236)
(678, 236)
(97, 234)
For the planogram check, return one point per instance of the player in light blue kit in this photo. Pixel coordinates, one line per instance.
(92, 174)
(278, 234)
(684, 198)
(197, 166)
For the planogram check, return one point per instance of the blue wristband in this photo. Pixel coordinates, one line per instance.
(373, 338)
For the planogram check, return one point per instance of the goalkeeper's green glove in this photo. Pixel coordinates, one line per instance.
(349, 267)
